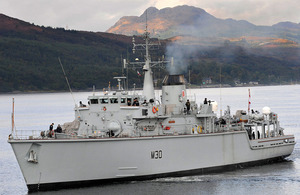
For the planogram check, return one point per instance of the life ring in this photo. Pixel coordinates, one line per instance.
(199, 129)
(154, 109)
(104, 108)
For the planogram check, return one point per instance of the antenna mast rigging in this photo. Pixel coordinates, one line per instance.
(148, 89)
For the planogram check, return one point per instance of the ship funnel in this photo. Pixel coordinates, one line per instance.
(174, 80)
(174, 94)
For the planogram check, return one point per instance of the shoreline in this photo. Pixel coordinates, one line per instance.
(191, 87)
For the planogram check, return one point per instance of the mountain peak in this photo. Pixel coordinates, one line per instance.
(187, 20)
(159, 21)
(289, 25)
(150, 11)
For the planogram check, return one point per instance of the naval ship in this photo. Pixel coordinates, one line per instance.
(122, 136)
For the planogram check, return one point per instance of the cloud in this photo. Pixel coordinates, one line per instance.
(92, 15)
(171, 3)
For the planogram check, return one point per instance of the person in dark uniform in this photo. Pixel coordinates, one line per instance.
(135, 102)
(51, 127)
(50, 130)
(145, 103)
(58, 129)
(188, 106)
(81, 104)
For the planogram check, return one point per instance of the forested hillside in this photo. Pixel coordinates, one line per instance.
(29, 58)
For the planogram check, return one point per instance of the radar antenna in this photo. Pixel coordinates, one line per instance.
(147, 65)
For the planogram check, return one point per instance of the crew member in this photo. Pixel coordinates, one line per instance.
(188, 106)
(145, 103)
(81, 104)
(50, 130)
(58, 129)
(135, 102)
(51, 127)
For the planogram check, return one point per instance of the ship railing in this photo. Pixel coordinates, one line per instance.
(26, 134)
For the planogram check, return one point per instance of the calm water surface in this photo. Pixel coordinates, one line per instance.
(37, 111)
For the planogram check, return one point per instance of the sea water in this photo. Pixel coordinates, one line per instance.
(38, 111)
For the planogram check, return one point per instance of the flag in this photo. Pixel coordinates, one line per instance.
(138, 73)
(249, 102)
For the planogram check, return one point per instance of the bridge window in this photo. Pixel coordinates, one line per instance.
(129, 102)
(94, 101)
(123, 100)
(104, 100)
(113, 100)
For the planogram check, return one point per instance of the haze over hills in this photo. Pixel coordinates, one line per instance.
(29, 57)
(193, 21)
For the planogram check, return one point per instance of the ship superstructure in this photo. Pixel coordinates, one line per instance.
(125, 136)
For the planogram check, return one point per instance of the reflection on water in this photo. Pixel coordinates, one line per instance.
(37, 111)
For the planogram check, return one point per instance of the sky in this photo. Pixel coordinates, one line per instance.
(99, 15)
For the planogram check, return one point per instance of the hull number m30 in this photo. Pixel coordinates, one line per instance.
(156, 154)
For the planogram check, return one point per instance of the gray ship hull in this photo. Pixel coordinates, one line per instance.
(65, 163)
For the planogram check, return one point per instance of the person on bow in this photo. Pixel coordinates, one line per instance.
(58, 129)
(51, 127)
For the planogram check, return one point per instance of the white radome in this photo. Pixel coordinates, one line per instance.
(266, 110)
(214, 106)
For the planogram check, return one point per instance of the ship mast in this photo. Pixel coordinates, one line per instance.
(148, 89)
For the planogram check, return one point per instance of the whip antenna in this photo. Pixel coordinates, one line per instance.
(13, 117)
(68, 84)
(220, 90)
